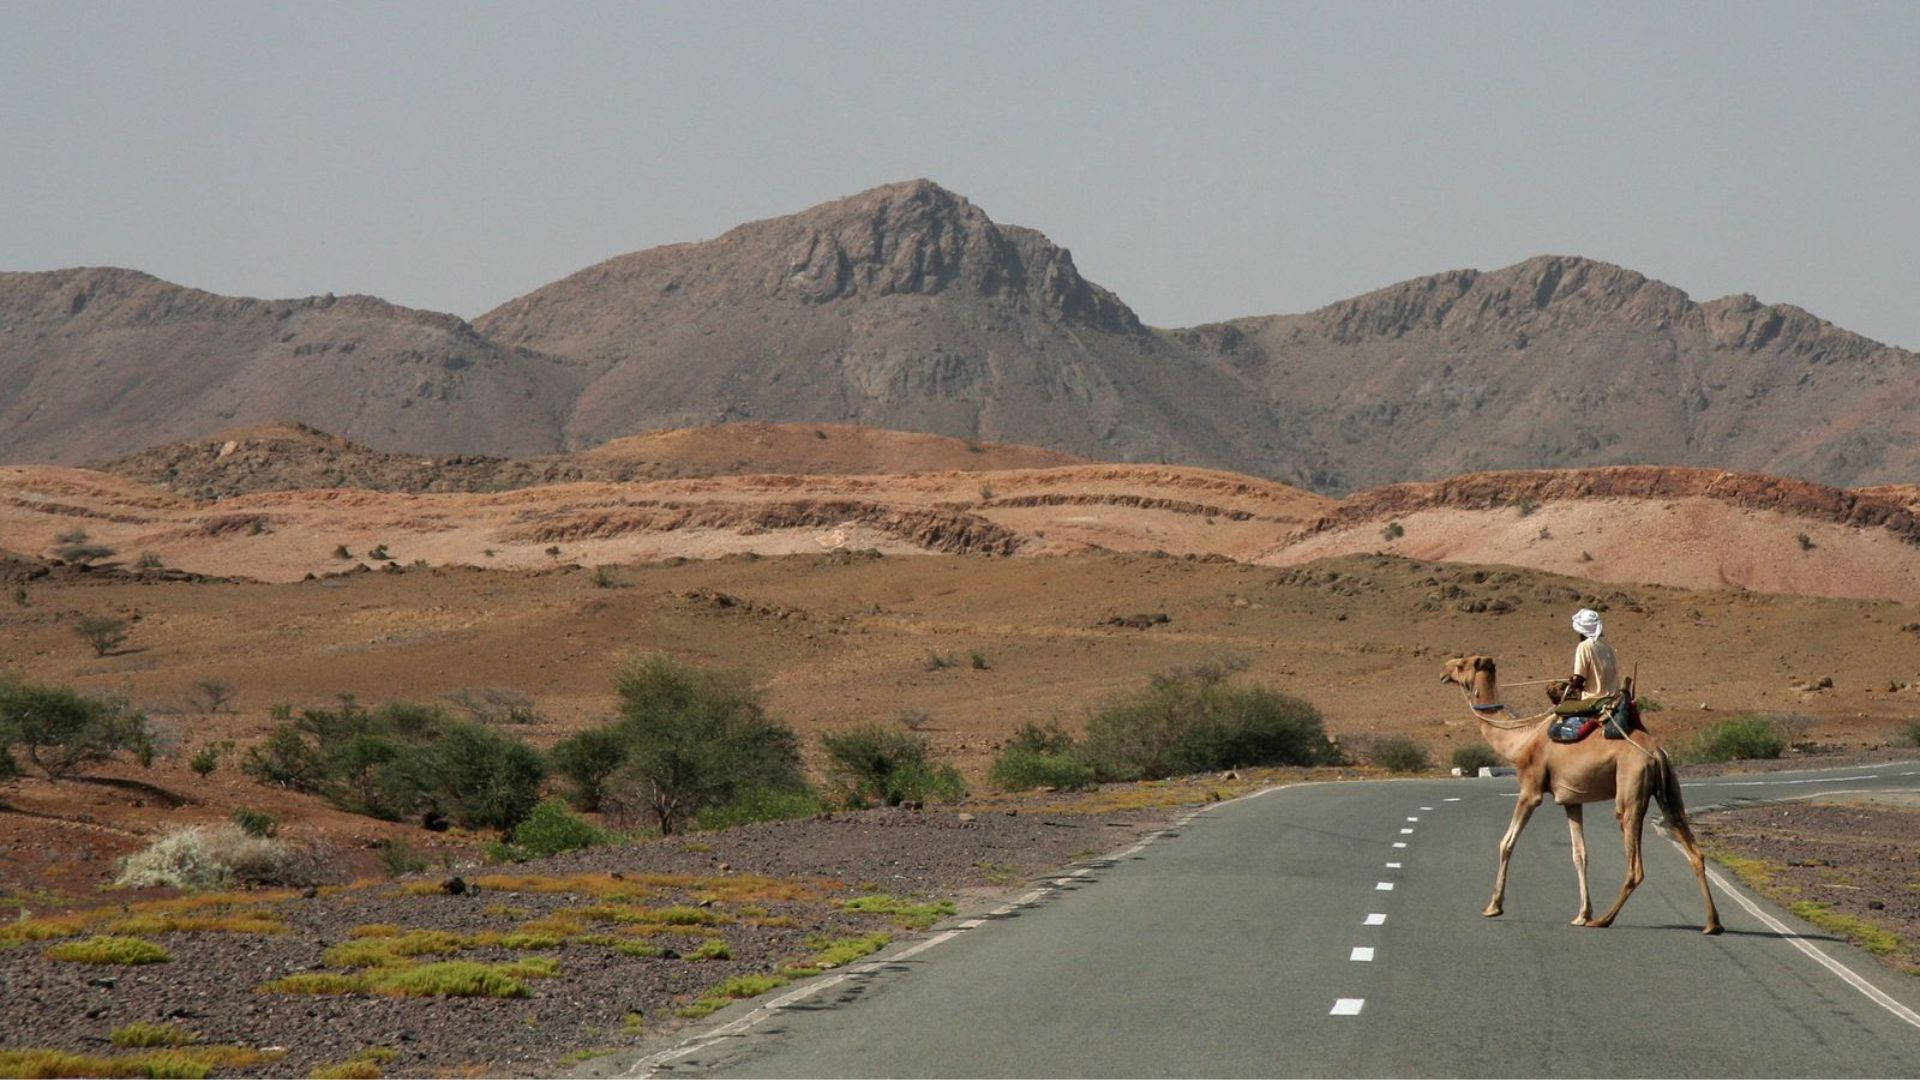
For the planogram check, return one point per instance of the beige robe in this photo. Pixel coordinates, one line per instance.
(1593, 658)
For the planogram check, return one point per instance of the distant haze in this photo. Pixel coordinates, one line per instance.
(1204, 162)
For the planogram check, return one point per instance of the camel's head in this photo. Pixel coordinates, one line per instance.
(1461, 670)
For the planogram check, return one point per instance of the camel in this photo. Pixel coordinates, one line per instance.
(1629, 771)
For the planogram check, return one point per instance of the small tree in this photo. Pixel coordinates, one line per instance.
(213, 694)
(589, 760)
(73, 547)
(62, 729)
(104, 632)
(695, 739)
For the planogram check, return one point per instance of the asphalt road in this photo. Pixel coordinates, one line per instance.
(1286, 934)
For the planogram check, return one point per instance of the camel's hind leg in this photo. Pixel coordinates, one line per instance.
(1579, 835)
(1522, 809)
(1668, 792)
(1632, 817)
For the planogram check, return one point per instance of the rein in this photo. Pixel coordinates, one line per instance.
(1482, 712)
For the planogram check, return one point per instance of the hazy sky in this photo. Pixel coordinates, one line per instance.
(1202, 160)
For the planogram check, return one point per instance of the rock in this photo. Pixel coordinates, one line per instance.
(1876, 905)
(454, 886)
(229, 447)
(964, 817)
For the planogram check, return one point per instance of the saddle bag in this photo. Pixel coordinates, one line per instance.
(1575, 720)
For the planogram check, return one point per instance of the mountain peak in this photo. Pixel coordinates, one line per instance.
(918, 237)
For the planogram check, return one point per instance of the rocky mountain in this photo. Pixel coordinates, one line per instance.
(95, 363)
(906, 307)
(1563, 362)
(903, 307)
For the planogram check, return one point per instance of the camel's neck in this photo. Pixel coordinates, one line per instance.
(1507, 742)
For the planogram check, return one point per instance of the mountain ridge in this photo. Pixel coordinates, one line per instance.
(907, 307)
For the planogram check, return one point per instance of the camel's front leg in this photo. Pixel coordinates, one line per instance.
(1522, 809)
(1576, 829)
(1630, 823)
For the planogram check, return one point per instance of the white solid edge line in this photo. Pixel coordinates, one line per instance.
(1847, 975)
(646, 1065)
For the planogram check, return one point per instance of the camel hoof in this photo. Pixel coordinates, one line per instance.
(1714, 929)
(1578, 920)
(1492, 912)
(1600, 924)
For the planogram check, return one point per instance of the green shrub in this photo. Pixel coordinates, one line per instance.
(400, 760)
(1024, 770)
(206, 760)
(63, 730)
(761, 804)
(1401, 754)
(399, 858)
(1738, 738)
(479, 777)
(551, 829)
(874, 764)
(257, 823)
(712, 949)
(1471, 759)
(1041, 757)
(693, 739)
(1194, 720)
(1911, 733)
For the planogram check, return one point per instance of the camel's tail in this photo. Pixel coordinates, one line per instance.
(1666, 792)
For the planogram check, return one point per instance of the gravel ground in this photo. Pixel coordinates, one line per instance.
(1860, 861)
(211, 984)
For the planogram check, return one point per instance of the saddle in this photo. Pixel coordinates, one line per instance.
(1575, 720)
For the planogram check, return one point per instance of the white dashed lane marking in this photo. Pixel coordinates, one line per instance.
(1375, 919)
(1393, 866)
(1406, 832)
(1383, 886)
(1348, 1006)
(1399, 843)
(1361, 954)
(1414, 817)
(1451, 798)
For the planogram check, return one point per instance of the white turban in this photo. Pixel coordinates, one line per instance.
(1586, 623)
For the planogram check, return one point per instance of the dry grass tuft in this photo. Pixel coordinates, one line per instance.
(140, 1034)
(109, 950)
(194, 1062)
(738, 988)
(914, 915)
